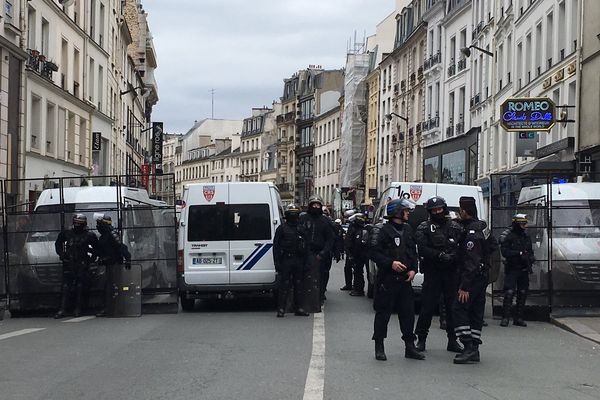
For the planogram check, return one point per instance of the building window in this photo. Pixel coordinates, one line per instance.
(430, 169)
(453, 167)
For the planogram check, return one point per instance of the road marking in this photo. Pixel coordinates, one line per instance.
(80, 319)
(19, 333)
(315, 379)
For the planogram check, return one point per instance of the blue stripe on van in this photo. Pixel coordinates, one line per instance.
(262, 252)
(249, 258)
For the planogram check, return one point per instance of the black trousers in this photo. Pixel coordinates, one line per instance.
(516, 279)
(436, 282)
(468, 316)
(394, 295)
(312, 283)
(75, 284)
(348, 272)
(291, 275)
(325, 268)
(358, 266)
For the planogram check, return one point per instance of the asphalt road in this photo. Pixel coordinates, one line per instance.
(239, 350)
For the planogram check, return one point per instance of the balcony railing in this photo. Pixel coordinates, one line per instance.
(460, 128)
(475, 100)
(450, 131)
(462, 64)
(37, 62)
(452, 69)
(432, 60)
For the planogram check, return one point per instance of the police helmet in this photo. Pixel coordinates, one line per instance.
(349, 213)
(104, 219)
(360, 218)
(520, 218)
(315, 199)
(338, 221)
(79, 220)
(395, 207)
(292, 209)
(436, 202)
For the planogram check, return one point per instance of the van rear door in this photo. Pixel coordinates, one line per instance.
(251, 246)
(206, 249)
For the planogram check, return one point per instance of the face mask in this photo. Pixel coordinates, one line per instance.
(438, 217)
(292, 218)
(315, 211)
(78, 228)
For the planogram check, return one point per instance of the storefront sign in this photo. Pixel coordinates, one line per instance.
(96, 141)
(145, 173)
(563, 144)
(528, 114)
(157, 142)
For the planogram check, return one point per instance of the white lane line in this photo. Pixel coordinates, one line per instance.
(19, 333)
(315, 379)
(80, 319)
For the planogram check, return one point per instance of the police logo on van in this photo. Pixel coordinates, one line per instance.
(209, 192)
(416, 191)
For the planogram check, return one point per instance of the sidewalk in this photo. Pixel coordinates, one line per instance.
(586, 327)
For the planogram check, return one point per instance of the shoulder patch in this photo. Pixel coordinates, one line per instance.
(470, 245)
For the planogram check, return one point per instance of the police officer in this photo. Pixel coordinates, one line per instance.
(76, 248)
(348, 262)
(319, 241)
(356, 248)
(338, 246)
(111, 252)
(392, 248)
(437, 240)
(516, 248)
(469, 306)
(289, 255)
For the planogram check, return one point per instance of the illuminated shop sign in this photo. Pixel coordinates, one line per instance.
(528, 114)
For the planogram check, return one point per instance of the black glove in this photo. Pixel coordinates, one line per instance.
(445, 257)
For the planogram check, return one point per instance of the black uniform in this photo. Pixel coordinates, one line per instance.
(517, 250)
(356, 248)
(473, 278)
(338, 243)
(392, 242)
(289, 255)
(76, 249)
(438, 242)
(319, 243)
(111, 252)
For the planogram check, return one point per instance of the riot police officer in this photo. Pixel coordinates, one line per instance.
(516, 248)
(392, 248)
(348, 262)
(319, 242)
(338, 245)
(437, 240)
(112, 252)
(76, 248)
(289, 255)
(356, 248)
(469, 305)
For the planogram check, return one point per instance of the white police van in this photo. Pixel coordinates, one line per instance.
(418, 193)
(225, 244)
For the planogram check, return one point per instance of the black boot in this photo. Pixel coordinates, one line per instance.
(355, 292)
(521, 298)
(410, 351)
(379, 350)
(301, 313)
(508, 297)
(346, 287)
(78, 301)
(443, 323)
(421, 344)
(469, 355)
(280, 313)
(64, 298)
(453, 346)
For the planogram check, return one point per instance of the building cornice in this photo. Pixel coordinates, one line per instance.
(13, 49)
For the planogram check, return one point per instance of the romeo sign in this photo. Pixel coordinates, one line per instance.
(528, 114)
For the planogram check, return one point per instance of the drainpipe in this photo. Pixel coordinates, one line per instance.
(578, 66)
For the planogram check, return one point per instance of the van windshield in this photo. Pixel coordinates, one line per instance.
(221, 222)
(576, 218)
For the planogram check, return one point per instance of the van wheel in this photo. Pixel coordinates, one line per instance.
(186, 304)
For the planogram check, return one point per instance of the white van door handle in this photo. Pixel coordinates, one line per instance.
(238, 257)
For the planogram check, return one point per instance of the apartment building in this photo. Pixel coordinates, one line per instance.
(327, 153)
(251, 144)
(286, 139)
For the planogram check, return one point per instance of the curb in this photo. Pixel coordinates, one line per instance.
(573, 326)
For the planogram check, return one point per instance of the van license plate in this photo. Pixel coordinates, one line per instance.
(207, 260)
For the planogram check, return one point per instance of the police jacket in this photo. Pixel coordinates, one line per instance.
(289, 241)
(390, 242)
(435, 238)
(77, 247)
(339, 239)
(355, 242)
(516, 248)
(472, 253)
(111, 249)
(319, 234)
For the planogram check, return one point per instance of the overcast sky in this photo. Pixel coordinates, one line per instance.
(244, 49)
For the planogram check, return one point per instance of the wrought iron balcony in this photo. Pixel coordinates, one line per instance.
(462, 64)
(452, 69)
(37, 62)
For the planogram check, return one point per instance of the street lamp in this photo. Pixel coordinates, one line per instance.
(389, 117)
(133, 90)
(467, 51)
